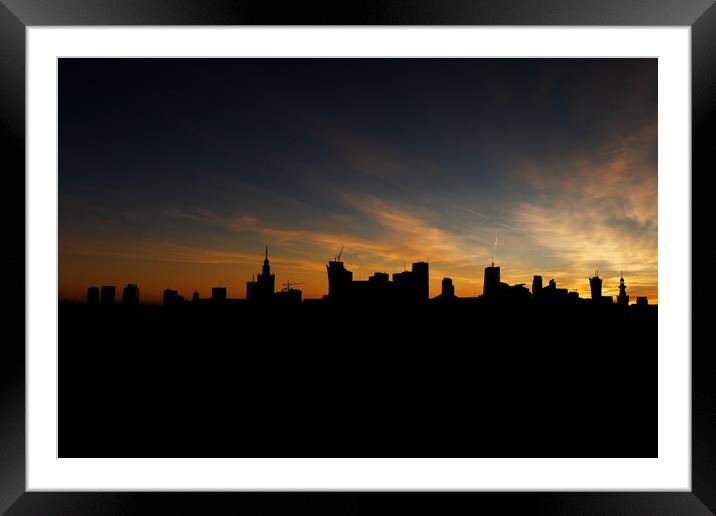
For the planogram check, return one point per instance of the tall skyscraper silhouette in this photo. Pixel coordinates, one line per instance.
(491, 285)
(421, 277)
(339, 279)
(595, 285)
(536, 287)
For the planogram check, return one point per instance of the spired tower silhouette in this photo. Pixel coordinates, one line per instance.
(622, 298)
(263, 287)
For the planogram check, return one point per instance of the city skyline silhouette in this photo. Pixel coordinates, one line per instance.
(271, 256)
(519, 371)
(404, 286)
(174, 173)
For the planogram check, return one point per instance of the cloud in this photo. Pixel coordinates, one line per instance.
(601, 214)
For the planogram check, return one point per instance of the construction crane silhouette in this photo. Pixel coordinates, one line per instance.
(338, 258)
(287, 286)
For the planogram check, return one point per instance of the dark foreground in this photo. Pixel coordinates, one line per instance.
(208, 381)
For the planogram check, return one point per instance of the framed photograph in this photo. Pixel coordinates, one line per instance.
(452, 243)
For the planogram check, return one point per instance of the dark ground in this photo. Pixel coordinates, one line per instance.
(212, 381)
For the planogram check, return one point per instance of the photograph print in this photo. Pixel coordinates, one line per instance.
(348, 257)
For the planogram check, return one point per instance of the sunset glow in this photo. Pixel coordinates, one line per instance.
(176, 173)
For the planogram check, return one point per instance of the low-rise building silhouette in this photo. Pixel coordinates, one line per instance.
(551, 295)
(642, 301)
(514, 293)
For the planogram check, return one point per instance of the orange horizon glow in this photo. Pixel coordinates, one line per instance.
(233, 276)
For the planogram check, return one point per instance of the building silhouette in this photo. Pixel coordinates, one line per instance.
(339, 280)
(491, 285)
(406, 288)
(622, 298)
(379, 279)
(172, 297)
(421, 279)
(536, 287)
(447, 293)
(414, 285)
(447, 289)
(514, 293)
(93, 295)
(551, 295)
(261, 290)
(218, 295)
(595, 286)
(409, 287)
(288, 295)
(107, 293)
(130, 295)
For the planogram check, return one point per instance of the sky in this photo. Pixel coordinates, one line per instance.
(176, 173)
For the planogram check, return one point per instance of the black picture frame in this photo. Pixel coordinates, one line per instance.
(16, 15)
